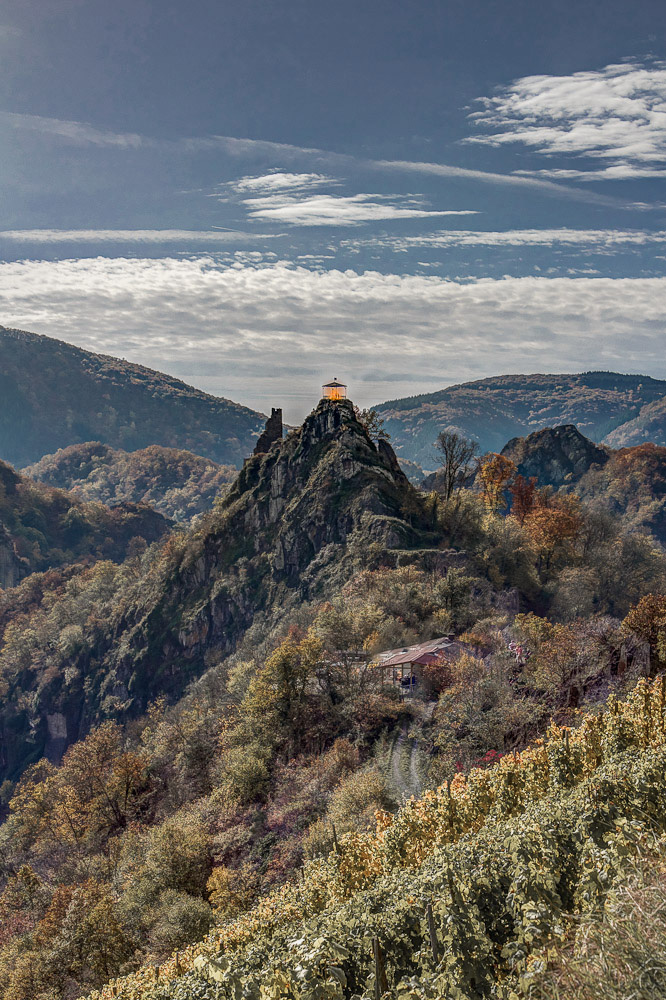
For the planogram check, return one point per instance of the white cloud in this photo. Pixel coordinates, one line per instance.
(339, 210)
(129, 236)
(616, 114)
(295, 198)
(587, 238)
(281, 180)
(269, 333)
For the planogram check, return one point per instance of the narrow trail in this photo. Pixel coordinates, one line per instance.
(404, 765)
(414, 768)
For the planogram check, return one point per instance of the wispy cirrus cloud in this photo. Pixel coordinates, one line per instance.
(237, 324)
(340, 210)
(299, 199)
(184, 236)
(77, 132)
(585, 238)
(280, 180)
(616, 114)
(83, 133)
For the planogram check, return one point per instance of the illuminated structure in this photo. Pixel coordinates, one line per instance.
(334, 390)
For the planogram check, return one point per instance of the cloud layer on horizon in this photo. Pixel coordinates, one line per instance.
(584, 239)
(240, 324)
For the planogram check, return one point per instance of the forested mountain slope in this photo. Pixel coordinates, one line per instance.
(42, 527)
(176, 483)
(296, 524)
(493, 410)
(53, 395)
(648, 425)
(232, 724)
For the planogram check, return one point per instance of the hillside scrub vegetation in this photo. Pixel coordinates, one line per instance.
(42, 527)
(468, 891)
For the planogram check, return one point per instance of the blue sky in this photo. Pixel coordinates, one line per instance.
(257, 196)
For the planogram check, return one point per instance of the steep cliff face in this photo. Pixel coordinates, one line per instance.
(295, 522)
(299, 520)
(555, 455)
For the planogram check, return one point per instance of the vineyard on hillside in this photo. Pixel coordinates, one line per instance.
(464, 893)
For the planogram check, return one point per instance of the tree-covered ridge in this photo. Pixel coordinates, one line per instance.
(493, 410)
(176, 483)
(43, 527)
(53, 395)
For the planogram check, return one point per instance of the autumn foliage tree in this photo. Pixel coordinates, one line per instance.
(647, 621)
(494, 475)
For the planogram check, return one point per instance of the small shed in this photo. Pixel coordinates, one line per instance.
(402, 668)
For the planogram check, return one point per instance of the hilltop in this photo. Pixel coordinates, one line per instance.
(605, 406)
(53, 395)
(176, 483)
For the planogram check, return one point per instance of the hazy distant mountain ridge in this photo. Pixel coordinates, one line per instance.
(494, 410)
(53, 395)
(175, 482)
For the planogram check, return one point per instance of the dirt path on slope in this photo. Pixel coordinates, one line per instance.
(404, 773)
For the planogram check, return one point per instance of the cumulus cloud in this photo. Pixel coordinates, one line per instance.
(585, 238)
(616, 114)
(269, 333)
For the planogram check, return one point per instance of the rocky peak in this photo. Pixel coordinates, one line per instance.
(281, 535)
(557, 456)
(271, 433)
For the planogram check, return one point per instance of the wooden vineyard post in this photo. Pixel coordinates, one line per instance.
(432, 931)
(336, 845)
(381, 982)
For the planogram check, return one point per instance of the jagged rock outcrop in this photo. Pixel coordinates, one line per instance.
(556, 456)
(271, 433)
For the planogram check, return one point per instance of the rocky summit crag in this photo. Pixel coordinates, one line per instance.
(297, 523)
(555, 456)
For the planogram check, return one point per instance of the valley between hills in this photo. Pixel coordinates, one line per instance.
(370, 707)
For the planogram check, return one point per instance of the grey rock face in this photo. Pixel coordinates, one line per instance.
(557, 456)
